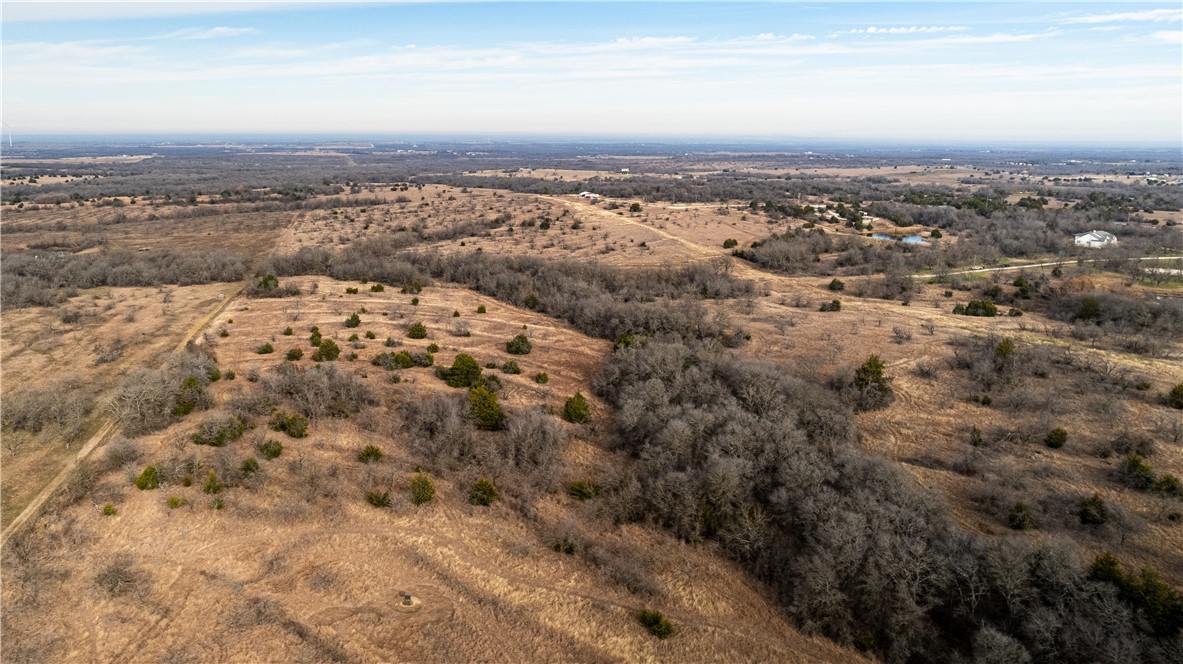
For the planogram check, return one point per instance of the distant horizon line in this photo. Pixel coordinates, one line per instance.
(591, 139)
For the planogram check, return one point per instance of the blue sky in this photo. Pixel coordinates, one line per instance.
(929, 71)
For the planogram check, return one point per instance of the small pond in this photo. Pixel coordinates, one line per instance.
(907, 239)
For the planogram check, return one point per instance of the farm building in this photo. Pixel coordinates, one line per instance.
(1095, 239)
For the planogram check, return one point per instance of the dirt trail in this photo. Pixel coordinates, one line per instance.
(103, 433)
(591, 211)
(738, 267)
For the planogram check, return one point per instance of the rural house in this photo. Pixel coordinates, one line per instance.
(1095, 239)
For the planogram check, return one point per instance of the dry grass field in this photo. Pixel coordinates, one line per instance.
(141, 227)
(118, 329)
(299, 561)
(292, 564)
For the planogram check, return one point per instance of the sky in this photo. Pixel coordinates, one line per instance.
(932, 72)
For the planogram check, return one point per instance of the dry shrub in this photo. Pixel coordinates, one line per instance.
(121, 452)
(320, 391)
(120, 576)
(78, 484)
(625, 566)
(60, 408)
(174, 468)
(246, 403)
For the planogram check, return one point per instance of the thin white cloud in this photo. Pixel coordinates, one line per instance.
(1155, 15)
(73, 51)
(1168, 36)
(754, 81)
(770, 37)
(997, 38)
(287, 50)
(641, 56)
(18, 12)
(207, 33)
(901, 30)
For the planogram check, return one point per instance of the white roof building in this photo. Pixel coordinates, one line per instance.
(1095, 239)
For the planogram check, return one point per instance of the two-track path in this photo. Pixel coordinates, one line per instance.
(108, 427)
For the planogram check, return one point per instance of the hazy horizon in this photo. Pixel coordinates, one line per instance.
(965, 74)
(758, 143)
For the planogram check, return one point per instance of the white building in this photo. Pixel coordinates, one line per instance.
(1095, 239)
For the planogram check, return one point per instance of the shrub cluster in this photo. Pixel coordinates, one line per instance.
(370, 454)
(482, 492)
(60, 407)
(484, 409)
(378, 498)
(1056, 438)
(519, 345)
(326, 351)
(1137, 473)
(147, 400)
(218, 431)
(1154, 600)
(977, 308)
(318, 391)
(422, 488)
(293, 424)
(656, 623)
(576, 409)
(583, 490)
(465, 372)
(148, 479)
(270, 449)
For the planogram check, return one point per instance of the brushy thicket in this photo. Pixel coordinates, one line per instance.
(766, 464)
(318, 391)
(600, 301)
(30, 279)
(60, 407)
(443, 434)
(219, 430)
(147, 400)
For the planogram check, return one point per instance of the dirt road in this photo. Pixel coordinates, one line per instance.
(104, 432)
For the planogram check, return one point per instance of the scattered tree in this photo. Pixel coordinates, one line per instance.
(485, 410)
(519, 345)
(576, 409)
(422, 488)
(465, 372)
(482, 492)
